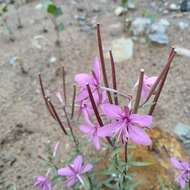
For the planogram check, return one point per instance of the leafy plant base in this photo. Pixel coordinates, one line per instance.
(158, 168)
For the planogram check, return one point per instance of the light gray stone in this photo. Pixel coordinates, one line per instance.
(159, 38)
(140, 25)
(182, 51)
(122, 49)
(120, 11)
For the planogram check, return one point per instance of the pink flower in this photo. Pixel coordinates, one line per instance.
(43, 183)
(184, 171)
(148, 82)
(93, 80)
(127, 125)
(75, 171)
(95, 131)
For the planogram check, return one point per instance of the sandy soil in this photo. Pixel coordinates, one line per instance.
(26, 129)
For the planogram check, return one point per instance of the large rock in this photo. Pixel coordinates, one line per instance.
(122, 49)
(165, 145)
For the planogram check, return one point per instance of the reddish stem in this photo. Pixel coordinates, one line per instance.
(155, 100)
(45, 98)
(73, 101)
(102, 62)
(57, 117)
(96, 111)
(170, 59)
(139, 90)
(114, 77)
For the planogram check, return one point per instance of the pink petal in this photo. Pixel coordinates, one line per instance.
(121, 131)
(182, 165)
(104, 98)
(106, 131)
(87, 118)
(138, 135)
(65, 171)
(127, 110)
(144, 93)
(150, 80)
(141, 120)
(111, 110)
(96, 96)
(86, 129)
(181, 181)
(87, 168)
(83, 79)
(82, 95)
(96, 142)
(96, 69)
(71, 181)
(49, 186)
(88, 109)
(78, 161)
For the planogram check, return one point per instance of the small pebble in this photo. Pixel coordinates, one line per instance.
(120, 11)
(174, 7)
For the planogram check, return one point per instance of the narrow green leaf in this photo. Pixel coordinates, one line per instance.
(115, 151)
(55, 178)
(86, 184)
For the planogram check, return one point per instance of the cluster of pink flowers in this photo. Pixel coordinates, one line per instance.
(123, 122)
(120, 124)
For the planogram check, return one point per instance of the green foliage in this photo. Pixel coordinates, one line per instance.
(3, 8)
(116, 175)
(54, 10)
(124, 2)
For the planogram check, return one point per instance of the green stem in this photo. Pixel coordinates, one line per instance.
(71, 131)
